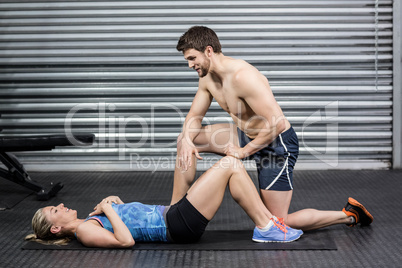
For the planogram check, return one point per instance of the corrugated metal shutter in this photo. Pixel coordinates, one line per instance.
(111, 68)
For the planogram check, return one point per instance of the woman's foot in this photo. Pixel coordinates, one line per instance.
(277, 232)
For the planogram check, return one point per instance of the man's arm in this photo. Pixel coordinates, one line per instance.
(254, 89)
(192, 126)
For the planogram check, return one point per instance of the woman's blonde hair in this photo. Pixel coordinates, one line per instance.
(42, 234)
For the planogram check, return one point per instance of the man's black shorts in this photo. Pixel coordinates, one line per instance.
(276, 161)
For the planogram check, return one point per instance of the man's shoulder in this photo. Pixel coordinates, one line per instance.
(235, 65)
(245, 72)
(239, 66)
(203, 82)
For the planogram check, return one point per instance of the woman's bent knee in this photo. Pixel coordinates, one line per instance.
(231, 162)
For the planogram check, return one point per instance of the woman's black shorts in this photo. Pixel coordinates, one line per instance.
(184, 222)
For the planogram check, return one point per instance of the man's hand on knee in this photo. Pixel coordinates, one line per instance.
(185, 151)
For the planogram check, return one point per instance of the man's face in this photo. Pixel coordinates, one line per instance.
(197, 61)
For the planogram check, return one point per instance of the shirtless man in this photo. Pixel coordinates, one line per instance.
(260, 130)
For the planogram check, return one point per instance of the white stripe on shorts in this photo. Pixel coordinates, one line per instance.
(286, 165)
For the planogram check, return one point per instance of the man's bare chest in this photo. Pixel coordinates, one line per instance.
(230, 102)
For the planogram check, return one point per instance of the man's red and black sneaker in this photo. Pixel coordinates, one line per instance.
(358, 211)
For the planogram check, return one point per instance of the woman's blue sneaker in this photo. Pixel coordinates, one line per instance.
(279, 232)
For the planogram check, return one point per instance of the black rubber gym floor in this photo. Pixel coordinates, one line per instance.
(376, 246)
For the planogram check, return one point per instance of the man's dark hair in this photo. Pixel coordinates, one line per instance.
(198, 38)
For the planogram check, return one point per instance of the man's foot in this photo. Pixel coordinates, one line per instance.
(358, 212)
(279, 232)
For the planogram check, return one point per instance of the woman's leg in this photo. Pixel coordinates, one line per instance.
(277, 202)
(207, 192)
(213, 139)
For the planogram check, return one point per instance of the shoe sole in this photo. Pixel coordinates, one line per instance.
(353, 202)
(272, 241)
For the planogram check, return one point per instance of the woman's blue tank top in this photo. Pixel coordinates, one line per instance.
(145, 222)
